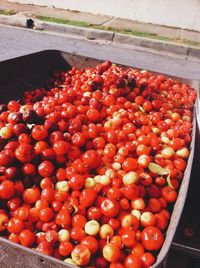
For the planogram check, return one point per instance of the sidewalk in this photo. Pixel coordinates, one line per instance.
(99, 27)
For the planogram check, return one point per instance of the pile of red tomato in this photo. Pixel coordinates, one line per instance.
(90, 167)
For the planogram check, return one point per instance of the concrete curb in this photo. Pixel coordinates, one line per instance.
(151, 43)
(109, 36)
(89, 33)
(194, 52)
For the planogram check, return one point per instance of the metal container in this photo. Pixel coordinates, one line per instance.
(32, 71)
(190, 244)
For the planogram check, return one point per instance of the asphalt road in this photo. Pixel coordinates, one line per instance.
(16, 42)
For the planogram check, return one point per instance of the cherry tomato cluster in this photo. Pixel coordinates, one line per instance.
(90, 169)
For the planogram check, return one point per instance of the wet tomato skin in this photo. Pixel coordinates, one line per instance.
(152, 238)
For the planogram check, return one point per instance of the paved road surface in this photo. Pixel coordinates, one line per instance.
(17, 41)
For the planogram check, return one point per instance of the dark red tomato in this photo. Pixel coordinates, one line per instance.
(147, 259)
(7, 189)
(111, 136)
(101, 262)
(29, 169)
(152, 238)
(78, 221)
(12, 173)
(94, 213)
(15, 226)
(78, 139)
(48, 194)
(46, 169)
(132, 261)
(99, 143)
(93, 115)
(48, 154)
(39, 132)
(51, 236)
(130, 191)
(13, 203)
(128, 238)
(25, 153)
(88, 197)
(45, 248)
(46, 183)
(63, 218)
(46, 214)
(21, 213)
(24, 138)
(113, 192)
(90, 159)
(33, 215)
(27, 238)
(56, 206)
(180, 164)
(129, 164)
(13, 106)
(31, 195)
(76, 182)
(91, 242)
(40, 146)
(74, 153)
(77, 234)
(169, 194)
(110, 207)
(116, 265)
(56, 136)
(5, 158)
(61, 147)
(65, 248)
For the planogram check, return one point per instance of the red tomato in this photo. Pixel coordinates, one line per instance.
(152, 238)
(128, 238)
(132, 261)
(65, 248)
(81, 254)
(61, 147)
(111, 252)
(129, 164)
(63, 218)
(147, 259)
(45, 248)
(91, 242)
(27, 238)
(25, 153)
(31, 195)
(90, 159)
(169, 194)
(88, 197)
(110, 207)
(39, 132)
(15, 226)
(78, 139)
(46, 169)
(7, 189)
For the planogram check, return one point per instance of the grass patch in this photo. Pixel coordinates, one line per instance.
(7, 12)
(64, 21)
(123, 31)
